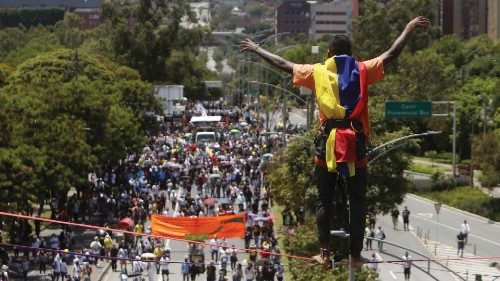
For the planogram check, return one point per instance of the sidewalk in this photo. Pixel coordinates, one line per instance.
(467, 267)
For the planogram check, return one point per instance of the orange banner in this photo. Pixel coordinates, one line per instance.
(199, 229)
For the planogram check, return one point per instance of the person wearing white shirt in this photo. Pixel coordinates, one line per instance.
(380, 234)
(96, 247)
(249, 272)
(374, 261)
(465, 230)
(164, 263)
(406, 265)
(214, 248)
(137, 265)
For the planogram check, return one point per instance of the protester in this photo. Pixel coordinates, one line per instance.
(407, 265)
(406, 218)
(395, 216)
(460, 243)
(465, 230)
(185, 269)
(164, 264)
(211, 271)
(344, 126)
(380, 235)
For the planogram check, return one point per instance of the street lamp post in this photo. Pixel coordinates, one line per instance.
(393, 142)
(284, 102)
(312, 105)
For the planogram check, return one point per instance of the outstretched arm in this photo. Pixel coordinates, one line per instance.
(272, 59)
(400, 43)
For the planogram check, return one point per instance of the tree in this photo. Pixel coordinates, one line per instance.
(291, 178)
(5, 71)
(487, 158)
(148, 36)
(79, 112)
(301, 244)
(379, 25)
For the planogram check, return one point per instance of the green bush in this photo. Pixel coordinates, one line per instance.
(443, 184)
(422, 168)
(302, 244)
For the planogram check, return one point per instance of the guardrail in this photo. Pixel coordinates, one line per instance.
(423, 257)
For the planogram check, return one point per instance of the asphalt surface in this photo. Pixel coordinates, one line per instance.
(485, 236)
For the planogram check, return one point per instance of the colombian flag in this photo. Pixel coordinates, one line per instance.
(342, 93)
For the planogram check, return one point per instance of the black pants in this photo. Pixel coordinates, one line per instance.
(407, 272)
(356, 188)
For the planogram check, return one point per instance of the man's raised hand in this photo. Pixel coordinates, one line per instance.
(419, 21)
(248, 45)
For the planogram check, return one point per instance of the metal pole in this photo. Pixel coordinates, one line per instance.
(352, 272)
(284, 115)
(454, 135)
(471, 166)
(437, 233)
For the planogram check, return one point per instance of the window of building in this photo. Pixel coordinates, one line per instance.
(330, 13)
(331, 31)
(330, 22)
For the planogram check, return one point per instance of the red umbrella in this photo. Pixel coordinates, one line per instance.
(126, 222)
(210, 201)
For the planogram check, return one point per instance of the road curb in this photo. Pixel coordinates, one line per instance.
(486, 220)
(417, 173)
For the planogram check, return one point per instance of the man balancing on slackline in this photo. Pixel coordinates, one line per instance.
(340, 85)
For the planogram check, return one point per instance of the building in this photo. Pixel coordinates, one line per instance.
(88, 10)
(268, 3)
(465, 18)
(170, 97)
(68, 5)
(293, 17)
(317, 18)
(493, 19)
(202, 13)
(333, 17)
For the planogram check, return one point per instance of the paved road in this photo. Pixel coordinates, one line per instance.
(178, 253)
(484, 234)
(394, 271)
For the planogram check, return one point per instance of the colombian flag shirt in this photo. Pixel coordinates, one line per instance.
(346, 93)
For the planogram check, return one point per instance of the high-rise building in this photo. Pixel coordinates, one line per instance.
(293, 17)
(331, 17)
(317, 18)
(493, 19)
(465, 18)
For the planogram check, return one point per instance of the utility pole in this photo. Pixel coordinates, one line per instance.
(312, 105)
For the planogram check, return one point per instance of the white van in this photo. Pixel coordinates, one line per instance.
(205, 137)
(206, 127)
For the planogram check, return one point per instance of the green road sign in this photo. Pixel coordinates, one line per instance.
(408, 109)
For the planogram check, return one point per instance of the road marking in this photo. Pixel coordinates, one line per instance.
(456, 229)
(483, 220)
(425, 215)
(393, 275)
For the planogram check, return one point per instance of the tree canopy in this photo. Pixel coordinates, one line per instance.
(77, 112)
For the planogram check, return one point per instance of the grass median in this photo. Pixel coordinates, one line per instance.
(469, 199)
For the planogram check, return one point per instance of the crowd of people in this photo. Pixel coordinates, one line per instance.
(171, 176)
